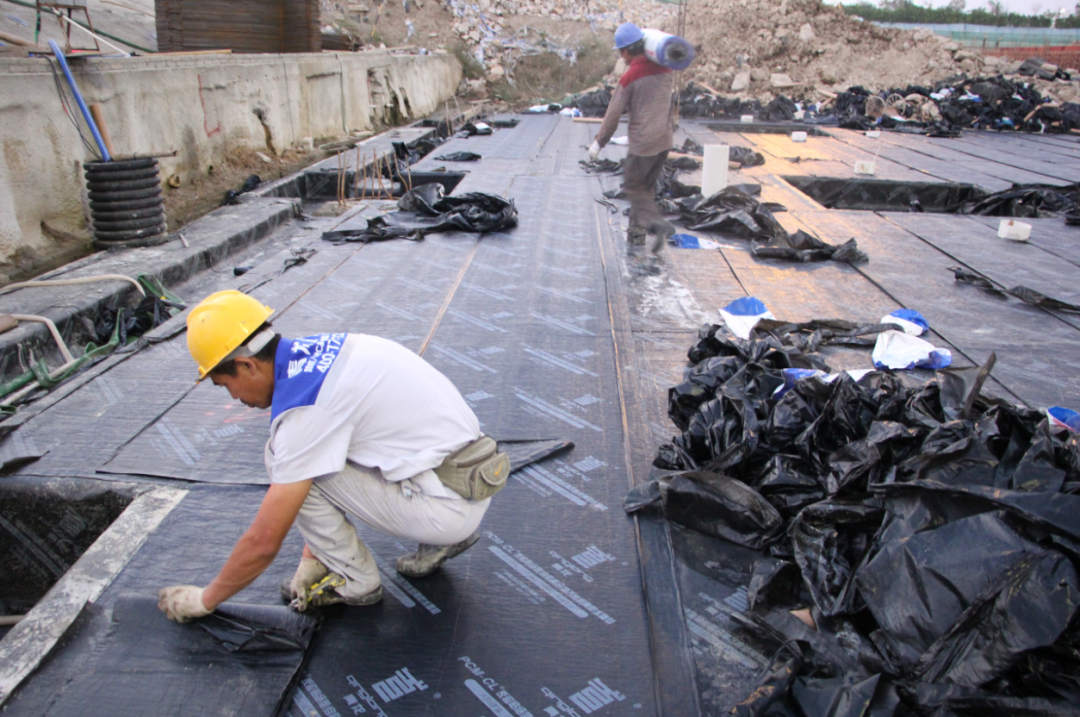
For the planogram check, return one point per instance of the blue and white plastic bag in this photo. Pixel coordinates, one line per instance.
(689, 241)
(910, 320)
(898, 350)
(743, 314)
(1063, 417)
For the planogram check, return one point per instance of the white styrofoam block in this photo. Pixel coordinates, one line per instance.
(714, 169)
(1014, 230)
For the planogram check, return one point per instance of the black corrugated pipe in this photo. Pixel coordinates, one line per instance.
(126, 203)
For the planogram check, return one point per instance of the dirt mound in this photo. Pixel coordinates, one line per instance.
(758, 48)
(492, 37)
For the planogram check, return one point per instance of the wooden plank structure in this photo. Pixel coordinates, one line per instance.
(243, 26)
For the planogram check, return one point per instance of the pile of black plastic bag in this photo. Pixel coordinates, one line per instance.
(594, 103)
(426, 210)
(993, 103)
(696, 101)
(933, 532)
(954, 104)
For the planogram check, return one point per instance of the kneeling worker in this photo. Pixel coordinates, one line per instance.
(359, 425)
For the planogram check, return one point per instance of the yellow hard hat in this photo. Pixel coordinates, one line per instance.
(219, 324)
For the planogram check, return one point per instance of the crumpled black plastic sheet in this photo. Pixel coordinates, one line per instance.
(743, 155)
(933, 533)
(1028, 296)
(459, 157)
(469, 130)
(233, 195)
(734, 210)
(602, 164)
(961, 102)
(696, 101)
(595, 103)
(715, 505)
(1027, 201)
(240, 660)
(151, 312)
(426, 210)
(1038, 67)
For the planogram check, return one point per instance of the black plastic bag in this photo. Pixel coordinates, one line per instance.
(233, 195)
(1030, 607)
(459, 157)
(918, 586)
(773, 583)
(722, 507)
(425, 210)
(148, 314)
(745, 156)
(469, 129)
(831, 539)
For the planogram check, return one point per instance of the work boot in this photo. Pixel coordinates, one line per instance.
(661, 231)
(325, 593)
(636, 236)
(428, 558)
(331, 597)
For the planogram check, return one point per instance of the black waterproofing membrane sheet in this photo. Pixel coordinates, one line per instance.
(545, 615)
(122, 656)
(241, 660)
(1036, 360)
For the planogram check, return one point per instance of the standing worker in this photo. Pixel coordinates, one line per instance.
(646, 90)
(359, 425)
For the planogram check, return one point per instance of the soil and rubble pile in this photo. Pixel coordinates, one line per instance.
(760, 46)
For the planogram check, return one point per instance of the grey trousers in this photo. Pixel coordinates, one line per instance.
(639, 185)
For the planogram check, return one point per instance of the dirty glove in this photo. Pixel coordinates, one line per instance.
(594, 150)
(309, 572)
(182, 603)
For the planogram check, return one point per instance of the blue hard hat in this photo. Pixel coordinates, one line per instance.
(627, 34)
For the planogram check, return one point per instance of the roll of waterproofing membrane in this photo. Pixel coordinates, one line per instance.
(670, 51)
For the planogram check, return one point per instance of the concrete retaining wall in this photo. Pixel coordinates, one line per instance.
(204, 106)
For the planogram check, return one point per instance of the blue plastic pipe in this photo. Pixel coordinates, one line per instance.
(82, 104)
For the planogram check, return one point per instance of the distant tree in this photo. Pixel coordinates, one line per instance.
(956, 5)
(996, 8)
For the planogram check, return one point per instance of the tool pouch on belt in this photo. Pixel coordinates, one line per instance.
(477, 471)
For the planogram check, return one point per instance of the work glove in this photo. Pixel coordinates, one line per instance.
(309, 572)
(594, 151)
(182, 603)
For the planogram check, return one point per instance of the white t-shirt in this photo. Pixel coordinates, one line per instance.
(364, 399)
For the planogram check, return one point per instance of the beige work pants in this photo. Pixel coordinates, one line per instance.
(420, 509)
